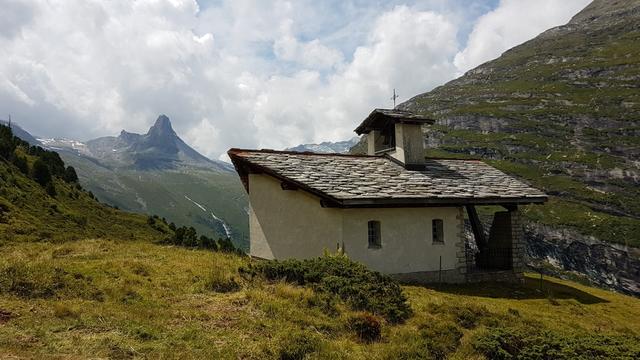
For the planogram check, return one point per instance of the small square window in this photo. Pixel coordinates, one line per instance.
(375, 239)
(437, 231)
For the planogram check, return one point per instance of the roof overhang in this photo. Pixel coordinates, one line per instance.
(381, 118)
(439, 202)
(245, 167)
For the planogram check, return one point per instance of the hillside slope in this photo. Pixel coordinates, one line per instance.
(21, 133)
(563, 112)
(58, 210)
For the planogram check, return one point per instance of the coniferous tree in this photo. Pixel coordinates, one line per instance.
(70, 175)
(6, 142)
(21, 163)
(40, 172)
(51, 189)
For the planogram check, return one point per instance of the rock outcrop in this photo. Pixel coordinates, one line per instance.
(561, 111)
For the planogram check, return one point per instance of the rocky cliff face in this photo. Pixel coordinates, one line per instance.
(569, 254)
(561, 111)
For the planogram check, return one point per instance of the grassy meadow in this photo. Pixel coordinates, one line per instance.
(120, 299)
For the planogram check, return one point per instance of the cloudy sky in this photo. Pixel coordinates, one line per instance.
(240, 73)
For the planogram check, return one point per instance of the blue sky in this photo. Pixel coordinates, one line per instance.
(243, 73)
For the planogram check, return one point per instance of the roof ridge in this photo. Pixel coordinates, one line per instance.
(311, 153)
(290, 152)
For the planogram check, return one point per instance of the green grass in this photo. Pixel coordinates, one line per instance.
(134, 299)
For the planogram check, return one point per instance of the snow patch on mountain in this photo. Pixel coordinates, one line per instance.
(65, 144)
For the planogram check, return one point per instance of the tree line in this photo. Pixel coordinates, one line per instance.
(187, 236)
(46, 166)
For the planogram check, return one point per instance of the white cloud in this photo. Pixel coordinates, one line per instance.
(511, 23)
(238, 73)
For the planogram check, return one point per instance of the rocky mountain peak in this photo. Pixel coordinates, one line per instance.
(162, 127)
(128, 137)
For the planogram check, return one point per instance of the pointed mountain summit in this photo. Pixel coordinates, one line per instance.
(159, 148)
(162, 128)
(161, 140)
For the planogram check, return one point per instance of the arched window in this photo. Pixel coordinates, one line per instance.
(375, 238)
(437, 231)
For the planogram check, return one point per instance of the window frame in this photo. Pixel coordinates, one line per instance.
(437, 231)
(374, 232)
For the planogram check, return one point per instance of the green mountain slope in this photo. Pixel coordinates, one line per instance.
(30, 211)
(562, 111)
(211, 201)
(158, 173)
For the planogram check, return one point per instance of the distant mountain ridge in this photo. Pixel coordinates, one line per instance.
(340, 147)
(159, 148)
(158, 173)
(21, 133)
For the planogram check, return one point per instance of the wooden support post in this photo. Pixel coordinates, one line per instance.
(476, 226)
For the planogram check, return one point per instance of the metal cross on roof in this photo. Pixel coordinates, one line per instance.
(394, 97)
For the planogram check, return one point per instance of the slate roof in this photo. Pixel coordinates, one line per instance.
(349, 180)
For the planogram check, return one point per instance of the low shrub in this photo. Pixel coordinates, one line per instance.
(221, 282)
(222, 278)
(360, 287)
(298, 345)
(469, 316)
(529, 343)
(366, 326)
(440, 338)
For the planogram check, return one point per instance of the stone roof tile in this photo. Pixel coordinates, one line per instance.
(345, 177)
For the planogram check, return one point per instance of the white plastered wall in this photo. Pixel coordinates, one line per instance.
(289, 224)
(406, 234)
(292, 224)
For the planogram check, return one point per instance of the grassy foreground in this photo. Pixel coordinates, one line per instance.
(134, 299)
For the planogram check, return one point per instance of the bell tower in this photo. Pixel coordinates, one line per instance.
(396, 133)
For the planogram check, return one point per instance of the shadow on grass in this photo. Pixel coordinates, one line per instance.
(532, 288)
